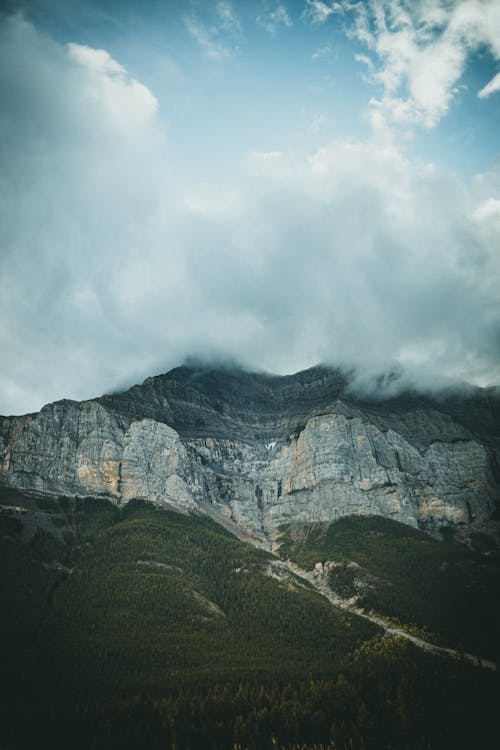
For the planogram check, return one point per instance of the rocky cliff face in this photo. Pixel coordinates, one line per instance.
(262, 451)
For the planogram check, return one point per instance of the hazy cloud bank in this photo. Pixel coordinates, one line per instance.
(353, 256)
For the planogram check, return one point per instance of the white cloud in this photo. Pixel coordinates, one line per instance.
(325, 52)
(228, 18)
(318, 12)
(488, 210)
(352, 255)
(491, 87)
(269, 164)
(221, 204)
(207, 38)
(365, 60)
(273, 20)
(96, 59)
(219, 39)
(128, 101)
(80, 148)
(318, 122)
(422, 49)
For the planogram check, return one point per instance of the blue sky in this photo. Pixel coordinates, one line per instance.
(276, 76)
(280, 183)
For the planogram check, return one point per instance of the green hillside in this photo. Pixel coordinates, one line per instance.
(142, 628)
(447, 589)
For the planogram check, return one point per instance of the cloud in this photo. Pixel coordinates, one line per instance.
(80, 145)
(221, 38)
(325, 52)
(422, 49)
(352, 255)
(318, 12)
(228, 18)
(273, 20)
(491, 87)
(365, 60)
(318, 122)
(129, 103)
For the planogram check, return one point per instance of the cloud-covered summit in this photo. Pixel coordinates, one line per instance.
(115, 268)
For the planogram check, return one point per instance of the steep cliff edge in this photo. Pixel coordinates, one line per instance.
(261, 451)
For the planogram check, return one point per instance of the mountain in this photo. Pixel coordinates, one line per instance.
(257, 451)
(219, 560)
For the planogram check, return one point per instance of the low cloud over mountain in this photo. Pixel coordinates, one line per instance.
(114, 268)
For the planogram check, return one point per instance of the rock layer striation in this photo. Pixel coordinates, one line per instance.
(260, 451)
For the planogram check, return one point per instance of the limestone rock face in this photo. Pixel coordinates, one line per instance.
(72, 448)
(263, 451)
(338, 466)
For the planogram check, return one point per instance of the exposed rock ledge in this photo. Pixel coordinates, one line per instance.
(293, 449)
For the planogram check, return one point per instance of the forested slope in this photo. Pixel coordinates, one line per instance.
(447, 590)
(140, 627)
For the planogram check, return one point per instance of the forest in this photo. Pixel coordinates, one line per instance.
(445, 590)
(139, 627)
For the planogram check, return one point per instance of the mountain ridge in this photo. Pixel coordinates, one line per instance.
(261, 450)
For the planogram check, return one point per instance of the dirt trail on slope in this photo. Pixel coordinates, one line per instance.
(323, 588)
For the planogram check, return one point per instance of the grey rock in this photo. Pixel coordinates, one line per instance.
(72, 448)
(257, 451)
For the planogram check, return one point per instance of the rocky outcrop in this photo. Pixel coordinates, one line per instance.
(72, 448)
(263, 451)
(337, 466)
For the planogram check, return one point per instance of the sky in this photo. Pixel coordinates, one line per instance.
(272, 183)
